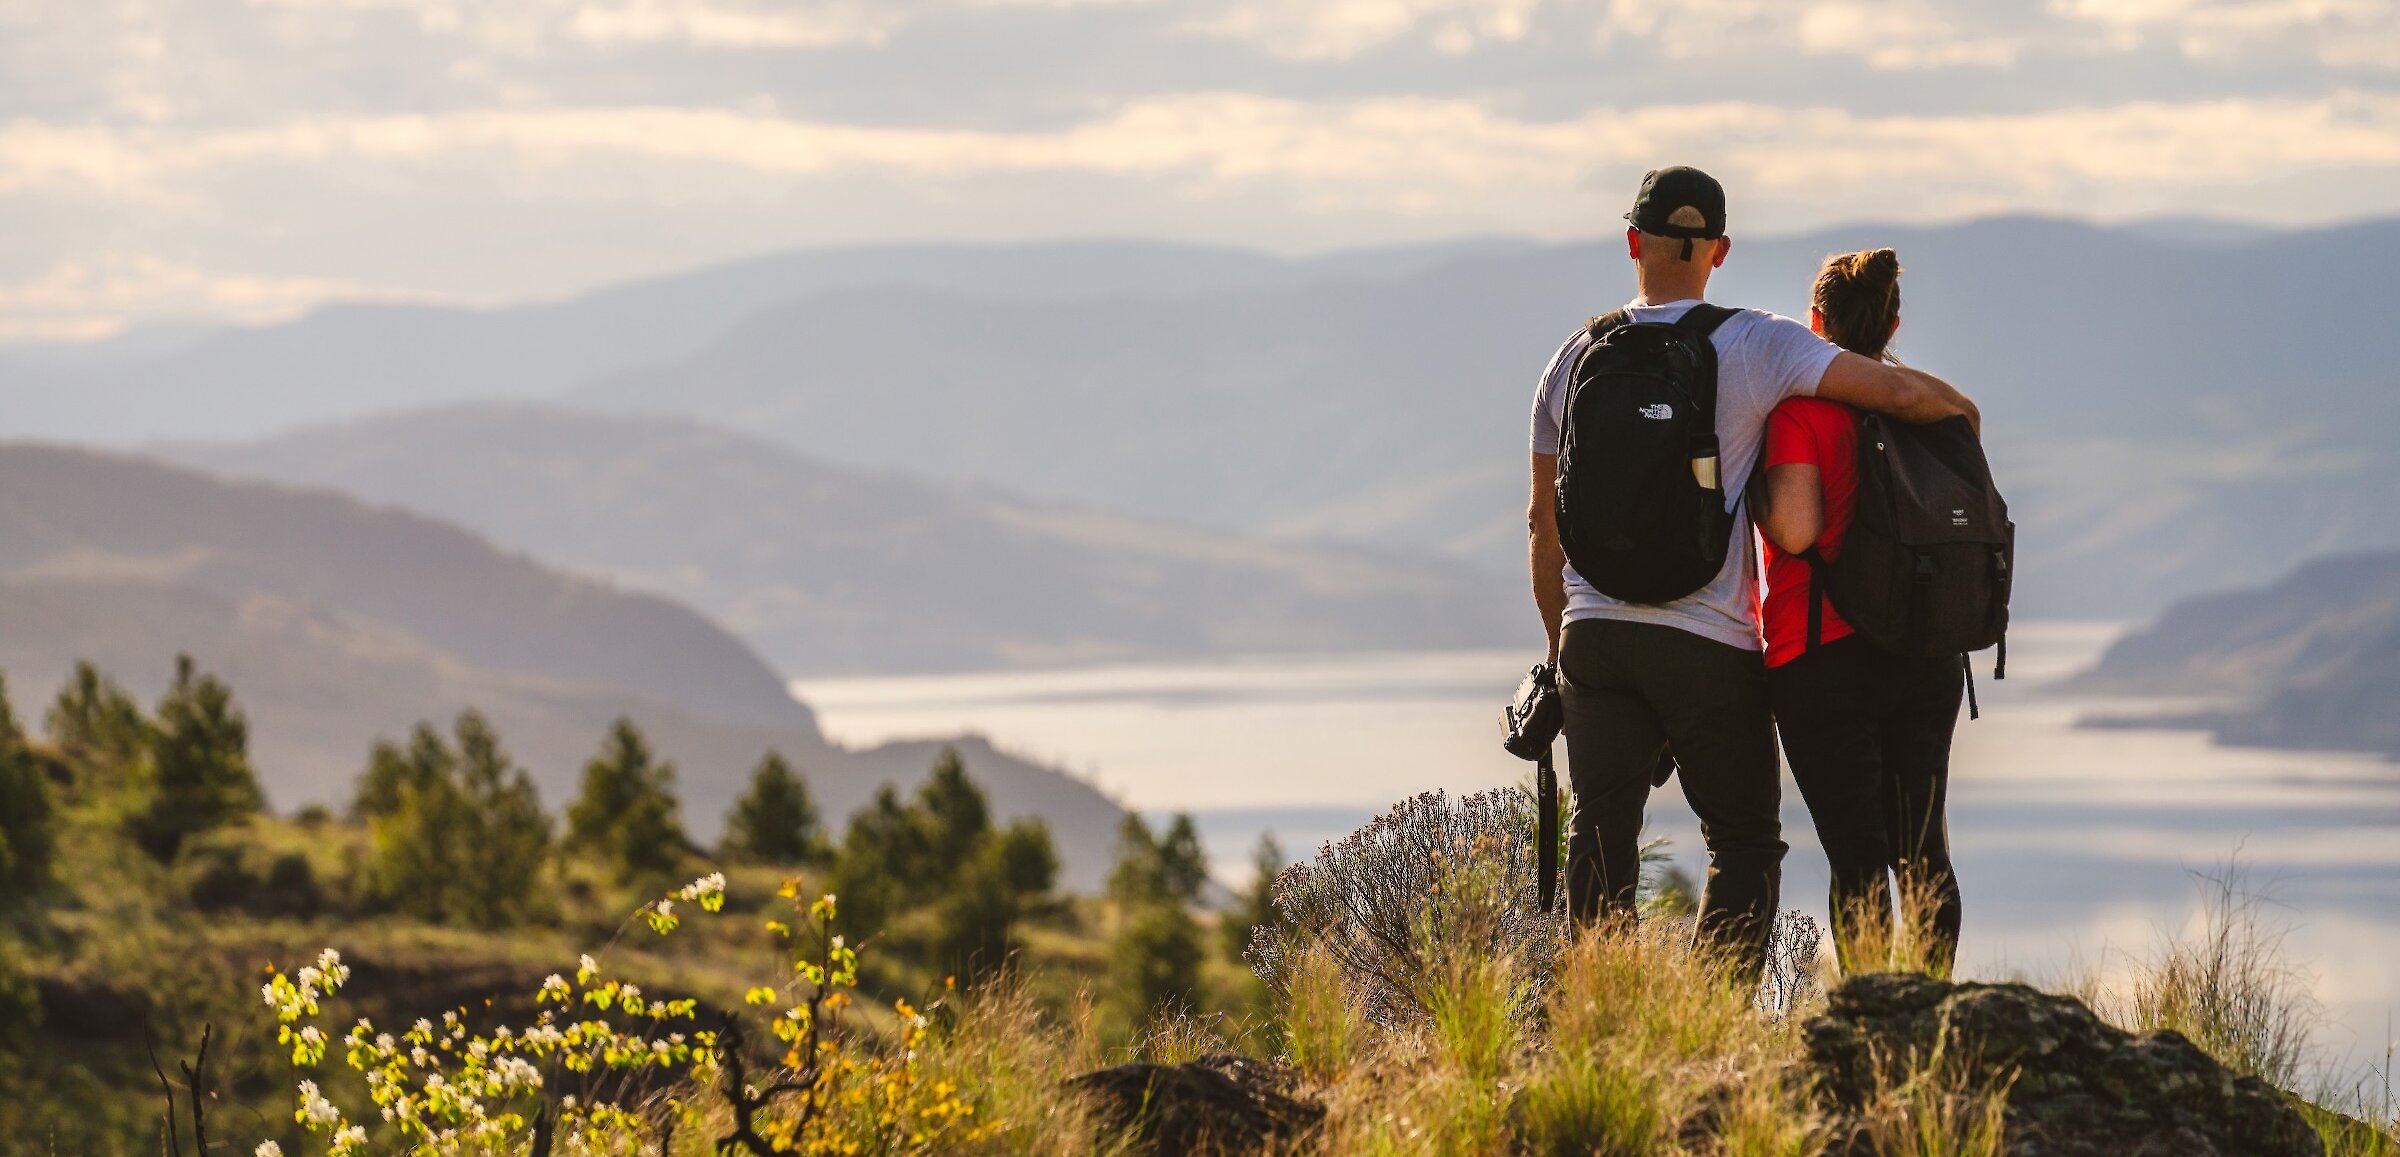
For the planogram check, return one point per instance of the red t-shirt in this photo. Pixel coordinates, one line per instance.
(1823, 434)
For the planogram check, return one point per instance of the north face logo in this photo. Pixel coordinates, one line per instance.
(1659, 412)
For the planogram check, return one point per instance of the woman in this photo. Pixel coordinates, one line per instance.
(1865, 732)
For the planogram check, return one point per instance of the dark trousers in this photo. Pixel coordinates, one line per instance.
(1632, 690)
(1867, 734)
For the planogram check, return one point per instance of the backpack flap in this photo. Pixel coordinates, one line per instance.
(1927, 566)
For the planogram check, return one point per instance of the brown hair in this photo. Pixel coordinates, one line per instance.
(1858, 295)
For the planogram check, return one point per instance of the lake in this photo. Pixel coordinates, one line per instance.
(2077, 847)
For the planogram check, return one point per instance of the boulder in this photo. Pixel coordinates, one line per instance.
(2082, 1087)
(1219, 1103)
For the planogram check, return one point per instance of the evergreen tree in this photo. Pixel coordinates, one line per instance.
(96, 723)
(1182, 864)
(880, 851)
(1137, 876)
(28, 820)
(200, 777)
(459, 834)
(1155, 956)
(627, 815)
(1255, 907)
(511, 832)
(1012, 871)
(394, 771)
(775, 822)
(954, 815)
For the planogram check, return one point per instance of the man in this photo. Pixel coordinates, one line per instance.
(1686, 676)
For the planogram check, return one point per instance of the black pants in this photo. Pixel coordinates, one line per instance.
(1631, 690)
(1867, 734)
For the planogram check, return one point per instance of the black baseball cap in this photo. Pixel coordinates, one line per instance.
(1664, 196)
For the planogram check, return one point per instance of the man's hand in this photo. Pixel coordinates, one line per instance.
(1544, 557)
(1907, 394)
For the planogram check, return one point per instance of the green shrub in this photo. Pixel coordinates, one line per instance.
(458, 833)
(28, 816)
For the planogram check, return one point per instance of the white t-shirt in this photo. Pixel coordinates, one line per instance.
(1761, 360)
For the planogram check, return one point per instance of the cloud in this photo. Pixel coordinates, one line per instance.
(1397, 154)
(1897, 35)
(85, 299)
(2344, 33)
(711, 25)
(1341, 29)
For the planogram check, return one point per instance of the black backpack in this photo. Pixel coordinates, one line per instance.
(1926, 568)
(1636, 517)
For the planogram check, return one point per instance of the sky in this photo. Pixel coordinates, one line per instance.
(244, 160)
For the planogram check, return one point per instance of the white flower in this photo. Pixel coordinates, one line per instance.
(708, 885)
(837, 943)
(666, 907)
(310, 1035)
(385, 1044)
(267, 991)
(588, 964)
(267, 1149)
(319, 1111)
(309, 976)
(633, 992)
(349, 1140)
(425, 1026)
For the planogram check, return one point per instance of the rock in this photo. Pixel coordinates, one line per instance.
(1218, 1103)
(2083, 1088)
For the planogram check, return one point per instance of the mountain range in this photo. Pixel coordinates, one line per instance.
(336, 623)
(2170, 411)
(831, 569)
(2310, 661)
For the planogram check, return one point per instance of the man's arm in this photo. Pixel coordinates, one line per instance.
(1544, 556)
(1907, 394)
(1795, 511)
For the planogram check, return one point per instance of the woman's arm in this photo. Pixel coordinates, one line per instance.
(1795, 512)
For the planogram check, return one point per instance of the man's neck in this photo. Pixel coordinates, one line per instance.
(1659, 290)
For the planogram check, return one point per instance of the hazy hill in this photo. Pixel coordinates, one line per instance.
(348, 360)
(336, 623)
(2172, 410)
(2310, 661)
(833, 569)
(71, 515)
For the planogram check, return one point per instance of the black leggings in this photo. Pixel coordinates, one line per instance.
(1867, 736)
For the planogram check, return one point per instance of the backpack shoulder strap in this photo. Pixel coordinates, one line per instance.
(1599, 326)
(1703, 319)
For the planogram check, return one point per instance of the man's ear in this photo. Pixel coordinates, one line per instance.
(1724, 246)
(1633, 243)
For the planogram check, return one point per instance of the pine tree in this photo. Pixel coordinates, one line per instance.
(775, 822)
(96, 723)
(955, 817)
(1182, 864)
(880, 849)
(1255, 908)
(200, 777)
(1136, 877)
(1012, 871)
(459, 833)
(627, 815)
(394, 771)
(512, 833)
(28, 820)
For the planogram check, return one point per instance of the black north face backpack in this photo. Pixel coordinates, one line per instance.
(1641, 508)
(1926, 568)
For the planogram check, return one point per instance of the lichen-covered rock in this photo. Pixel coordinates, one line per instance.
(1219, 1103)
(2083, 1088)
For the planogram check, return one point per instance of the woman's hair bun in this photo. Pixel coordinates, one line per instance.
(1878, 267)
